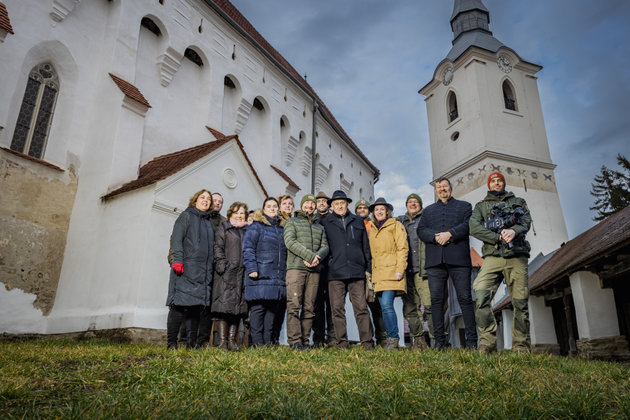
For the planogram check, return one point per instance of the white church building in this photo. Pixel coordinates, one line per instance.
(112, 114)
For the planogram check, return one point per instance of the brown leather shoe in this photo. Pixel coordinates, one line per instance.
(487, 349)
(419, 343)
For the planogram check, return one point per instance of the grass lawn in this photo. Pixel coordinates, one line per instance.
(99, 379)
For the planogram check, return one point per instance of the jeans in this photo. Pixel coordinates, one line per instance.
(262, 314)
(438, 276)
(386, 299)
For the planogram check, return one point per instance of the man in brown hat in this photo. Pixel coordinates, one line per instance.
(349, 259)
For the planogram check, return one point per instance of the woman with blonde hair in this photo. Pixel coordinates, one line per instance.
(192, 243)
(228, 290)
(389, 248)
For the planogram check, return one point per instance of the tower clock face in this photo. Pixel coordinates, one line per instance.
(504, 64)
(447, 77)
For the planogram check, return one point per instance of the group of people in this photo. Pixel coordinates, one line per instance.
(262, 266)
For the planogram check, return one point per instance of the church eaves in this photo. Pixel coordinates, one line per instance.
(164, 166)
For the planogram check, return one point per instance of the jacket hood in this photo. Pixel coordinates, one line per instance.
(259, 216)
(410, 217)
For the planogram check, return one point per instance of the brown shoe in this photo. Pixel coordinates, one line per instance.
(520, 349)
(232, 332)
(419, 343)
(487, 349)
(222, 330)
(391, 344)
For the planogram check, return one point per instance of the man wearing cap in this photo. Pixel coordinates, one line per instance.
(306, 249)
(443, 228)
(348, 261)
(323, 331)
(505, 255)
(362, 209)
(417, 280)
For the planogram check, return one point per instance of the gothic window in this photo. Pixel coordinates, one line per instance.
(36, 112)
(509, 98)
(453, 113)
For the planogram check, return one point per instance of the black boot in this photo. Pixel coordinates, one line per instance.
(233, 331)
(222, 330)
(173, 322)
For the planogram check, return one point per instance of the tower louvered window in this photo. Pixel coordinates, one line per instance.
(508, 96)
(453, 113)
(36, 113)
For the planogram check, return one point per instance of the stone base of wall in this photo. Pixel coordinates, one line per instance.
(121, 335)
(553, 349)
(605, 348)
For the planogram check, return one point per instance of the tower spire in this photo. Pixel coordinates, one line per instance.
(469, 16)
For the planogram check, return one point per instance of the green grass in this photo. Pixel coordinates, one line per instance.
(100, 379)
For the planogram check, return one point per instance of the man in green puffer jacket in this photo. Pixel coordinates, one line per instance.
(306, 249)
(505, 255)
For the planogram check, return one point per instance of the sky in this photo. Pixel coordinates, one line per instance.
(367, 59)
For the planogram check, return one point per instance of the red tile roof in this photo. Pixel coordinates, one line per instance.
(240, 20)
(5, 22)
(130, 90)
(216, 133)
(286, 177)
(33, 159)
(602, 239)
(164, 166)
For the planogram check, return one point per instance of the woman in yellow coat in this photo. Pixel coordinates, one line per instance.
(389, 248)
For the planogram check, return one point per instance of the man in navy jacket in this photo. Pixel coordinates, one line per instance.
(444, 228)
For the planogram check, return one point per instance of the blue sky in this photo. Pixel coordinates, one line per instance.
(367, 59)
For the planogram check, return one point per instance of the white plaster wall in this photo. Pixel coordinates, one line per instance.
(508, 321)
(595, 308)
(99, 37)
(541, 325)
(17, 314)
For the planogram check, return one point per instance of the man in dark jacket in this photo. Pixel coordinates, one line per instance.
(323, 331)
(417, 280)
(443, 228)
(349, 259)
(306, 248)
(505, 255)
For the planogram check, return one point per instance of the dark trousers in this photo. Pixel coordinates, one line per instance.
(279, 320)
(380, 333)
(301, 292)
(323, 330)
(438, 277)
(337, 290)
(262, 314)
(178, 315)
(205, 325)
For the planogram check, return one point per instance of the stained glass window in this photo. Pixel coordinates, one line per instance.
(38, 105)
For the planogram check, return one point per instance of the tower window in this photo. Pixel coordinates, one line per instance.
(36, 112)
(150, 25)
(509, 98)
(453, 113)
(193, 56)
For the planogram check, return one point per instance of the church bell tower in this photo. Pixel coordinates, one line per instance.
(485, 115)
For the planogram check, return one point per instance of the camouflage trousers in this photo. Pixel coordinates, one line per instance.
(493, 271)
(417, 295)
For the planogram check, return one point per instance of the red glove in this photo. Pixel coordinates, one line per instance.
(178, 268)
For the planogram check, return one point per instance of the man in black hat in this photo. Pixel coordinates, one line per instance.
(323, 331)
(349, 259)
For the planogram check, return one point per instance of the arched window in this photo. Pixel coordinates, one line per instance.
(38, 106)
(453, 113)
(508, 96)
(151, 26)
(193, 56)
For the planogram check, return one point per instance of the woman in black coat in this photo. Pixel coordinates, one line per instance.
(228, 291)
(192, 242)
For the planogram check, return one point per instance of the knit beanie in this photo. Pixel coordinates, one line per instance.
(361, 203)
(414, 195)
(496, 175)
(308, 197)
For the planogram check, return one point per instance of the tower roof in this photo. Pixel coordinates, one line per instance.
(470, 24)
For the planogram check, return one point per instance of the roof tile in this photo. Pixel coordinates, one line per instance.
(164, 166)
(130, 90)
(286, 178)
(5, 22)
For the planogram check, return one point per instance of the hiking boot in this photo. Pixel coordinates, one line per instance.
(391, 344)
(487, 349)
(298, 347)
(419, 343)
(520, 349)
(367, 345)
